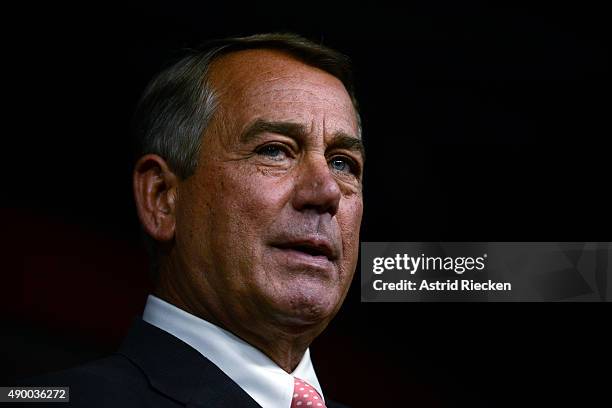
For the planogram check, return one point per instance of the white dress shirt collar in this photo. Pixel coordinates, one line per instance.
(252, 370)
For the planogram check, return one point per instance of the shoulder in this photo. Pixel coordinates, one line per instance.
(110, 381)
(112, 369)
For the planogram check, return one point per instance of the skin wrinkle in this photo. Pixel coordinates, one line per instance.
(223, 265)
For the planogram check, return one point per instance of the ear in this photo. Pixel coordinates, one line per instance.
(155, 192)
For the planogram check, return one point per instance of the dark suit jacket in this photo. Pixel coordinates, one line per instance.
(151, 369)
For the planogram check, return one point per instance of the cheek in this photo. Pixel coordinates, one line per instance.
(349, 219)
(241, 204)
(194, 225)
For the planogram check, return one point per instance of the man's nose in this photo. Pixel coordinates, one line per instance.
(316, 188)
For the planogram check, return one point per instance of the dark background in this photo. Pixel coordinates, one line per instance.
(481, 123)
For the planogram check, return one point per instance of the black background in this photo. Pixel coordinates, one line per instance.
(481, 123)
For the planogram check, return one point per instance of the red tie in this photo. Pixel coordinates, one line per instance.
(305, 396)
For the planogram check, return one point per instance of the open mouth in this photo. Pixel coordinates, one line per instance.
(308, 250)
(317, 250)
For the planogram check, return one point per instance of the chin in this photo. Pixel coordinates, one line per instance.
(300, 297)
(307, 308)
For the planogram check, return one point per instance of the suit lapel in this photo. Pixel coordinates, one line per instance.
(179, 371)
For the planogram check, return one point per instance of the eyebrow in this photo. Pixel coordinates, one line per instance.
(293, 130)
(340, 139)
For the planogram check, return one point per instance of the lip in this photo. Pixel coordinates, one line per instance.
(300, 259)
(311, 253)
(313, 247)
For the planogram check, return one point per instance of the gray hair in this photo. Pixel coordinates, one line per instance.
(178, 104)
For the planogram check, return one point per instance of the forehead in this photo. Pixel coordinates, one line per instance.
(274, 85)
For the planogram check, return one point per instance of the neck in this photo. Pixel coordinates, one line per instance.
(285, 344)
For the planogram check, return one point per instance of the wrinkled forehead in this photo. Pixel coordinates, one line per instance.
(273, 85)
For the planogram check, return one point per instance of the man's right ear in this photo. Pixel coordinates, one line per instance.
(155, 193)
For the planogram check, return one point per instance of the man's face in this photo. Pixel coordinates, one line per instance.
(268, 226)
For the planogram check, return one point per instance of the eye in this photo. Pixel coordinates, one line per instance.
(343, 164)
(273, 151)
